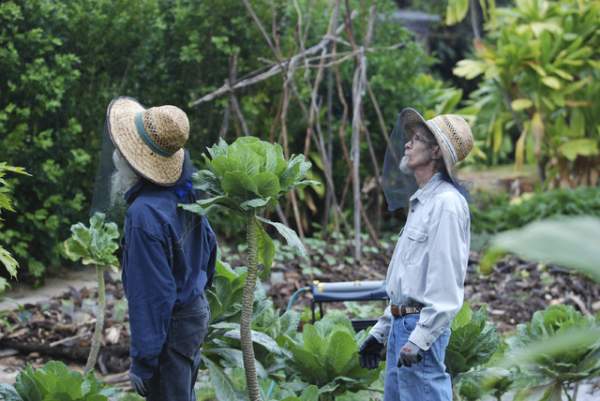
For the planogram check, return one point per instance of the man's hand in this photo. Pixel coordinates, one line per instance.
(138, 384)
(409, 354)
(370, 353)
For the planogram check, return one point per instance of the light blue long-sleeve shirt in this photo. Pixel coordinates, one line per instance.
(429, 263)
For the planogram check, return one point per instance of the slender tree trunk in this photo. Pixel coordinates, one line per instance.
(97, 338)
(246, 319)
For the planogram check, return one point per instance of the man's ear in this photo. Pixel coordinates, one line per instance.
(436, 152)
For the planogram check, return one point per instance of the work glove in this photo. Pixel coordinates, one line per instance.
(138, 384)
(409, 354)
(370, 353)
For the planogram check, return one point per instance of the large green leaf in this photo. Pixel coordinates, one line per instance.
(341, 351)
(290, 235)
(265, 251)
(313, 342)
(260, 338)
(267, 184)
(571, 242)
(456, 11)
(9, 262)
(224, 388)
(238, 184)
(579, 147)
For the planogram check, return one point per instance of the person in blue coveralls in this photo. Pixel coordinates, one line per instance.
(168, 253)
(425, 278)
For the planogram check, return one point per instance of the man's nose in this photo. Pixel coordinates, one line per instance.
(408, 144)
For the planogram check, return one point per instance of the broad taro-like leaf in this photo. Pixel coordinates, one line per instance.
(95, 244)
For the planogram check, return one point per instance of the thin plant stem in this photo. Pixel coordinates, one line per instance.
(97, 338)
(246, 318)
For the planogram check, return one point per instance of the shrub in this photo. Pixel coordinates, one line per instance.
(495, 213)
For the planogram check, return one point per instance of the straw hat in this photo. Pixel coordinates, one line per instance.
(151, 139)
(451, 132)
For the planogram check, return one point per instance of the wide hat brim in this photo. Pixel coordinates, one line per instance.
(161, 170)
(410, 117)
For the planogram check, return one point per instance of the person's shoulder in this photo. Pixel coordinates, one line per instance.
(449, 199)
(146, 213)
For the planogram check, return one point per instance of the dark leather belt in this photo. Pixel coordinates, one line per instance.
(403, 310)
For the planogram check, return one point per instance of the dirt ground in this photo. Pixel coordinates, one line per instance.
(60, 326)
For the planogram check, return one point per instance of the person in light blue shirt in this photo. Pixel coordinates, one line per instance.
(425, 278)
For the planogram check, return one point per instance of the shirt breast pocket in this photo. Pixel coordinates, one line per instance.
(415, 248)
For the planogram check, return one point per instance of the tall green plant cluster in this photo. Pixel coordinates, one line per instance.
(496, 213)
(539, 88)
(6, 203)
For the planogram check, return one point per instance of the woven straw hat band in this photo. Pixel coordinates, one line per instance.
(455, 134)
(164, 129)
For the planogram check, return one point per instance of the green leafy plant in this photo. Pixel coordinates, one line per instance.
(473, 341)
(245, 178)
(54, 381)
(554, 374)
(496, 213)
(559, 346)
(539, 68)
(6, 203)
(95, 245)
(326, 354)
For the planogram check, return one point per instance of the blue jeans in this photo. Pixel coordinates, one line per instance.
(180, 357)
(423, 381)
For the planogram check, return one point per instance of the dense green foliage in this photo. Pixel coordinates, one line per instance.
(496, 213)
(473, 341)
(6, 203)
(540, 92)
(325, 354)
(54, 381)
(62, 64)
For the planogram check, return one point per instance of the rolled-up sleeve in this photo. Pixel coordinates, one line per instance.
(446, 269)
(151, 292)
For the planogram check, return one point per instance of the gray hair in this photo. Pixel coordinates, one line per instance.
(123, 179)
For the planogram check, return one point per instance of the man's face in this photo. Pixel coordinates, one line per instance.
(419, 151)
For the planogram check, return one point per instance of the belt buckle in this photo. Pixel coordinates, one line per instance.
(403, 310)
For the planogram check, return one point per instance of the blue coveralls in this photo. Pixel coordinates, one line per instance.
(168, 261)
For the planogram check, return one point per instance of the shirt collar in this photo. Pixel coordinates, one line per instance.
(426, 192)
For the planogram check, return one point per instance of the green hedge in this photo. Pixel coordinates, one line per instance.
(496, 213)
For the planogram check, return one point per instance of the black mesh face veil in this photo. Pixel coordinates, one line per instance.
(398, 187)
(101, 201)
